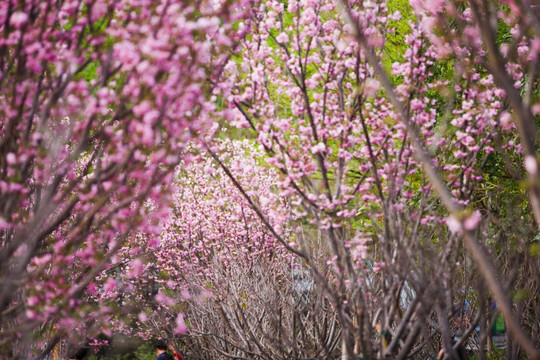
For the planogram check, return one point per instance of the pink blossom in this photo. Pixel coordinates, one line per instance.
(186, 295)
(32, 301)
(531, 165)
(4, 224)
(282, 38)
(31, 314)
(454, 225)
(42, 260)
(143, 317)
(320, 147)
(472, 221)
(378, 266)
(126, 52)
(11, 159)
(136, 268)
(506, 121)
(18, 19)
(396, 16)
(430, 6)
(371, 87)
(160, 298)
(92, 288)
(181, 327)
(110, 285)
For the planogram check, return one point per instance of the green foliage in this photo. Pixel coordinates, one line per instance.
(146, 351)
(89, 73)
(503, 30)
(395, 42)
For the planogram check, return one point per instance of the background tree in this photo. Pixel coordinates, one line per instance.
(218, 278)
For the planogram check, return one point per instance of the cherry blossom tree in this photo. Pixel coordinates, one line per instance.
(98, 100)
(500, 40)
(218, 283)
(376, 156)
